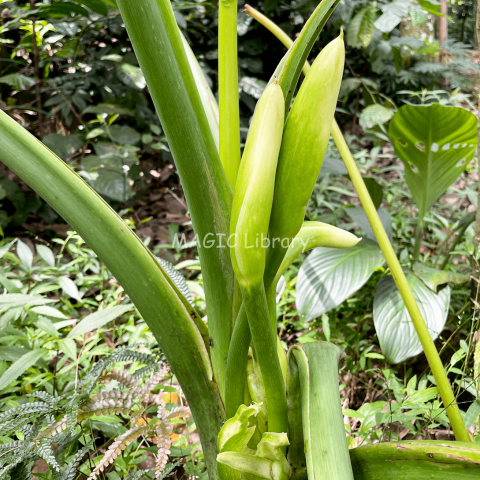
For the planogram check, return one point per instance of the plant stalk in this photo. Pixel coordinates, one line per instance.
(159, 48)
(264, 341)
(418, 236)
(228, 89)
(443, 385)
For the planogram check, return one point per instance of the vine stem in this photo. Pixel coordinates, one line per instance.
(229, 116)
(433, 358)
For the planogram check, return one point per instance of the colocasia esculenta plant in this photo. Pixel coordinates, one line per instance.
(260, 413)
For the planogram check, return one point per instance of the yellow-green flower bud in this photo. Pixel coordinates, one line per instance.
(305, 141)
(252, 202)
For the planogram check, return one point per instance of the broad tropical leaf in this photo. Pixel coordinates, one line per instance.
(329, 276)
(395, 330)
(435, 143)
(358, 215)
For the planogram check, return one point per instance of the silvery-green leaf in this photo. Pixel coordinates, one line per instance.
(99, 319)
(46, 255)
(396, 333)
(70, 289)
(329, 276)
(436, 144)
(25, 255)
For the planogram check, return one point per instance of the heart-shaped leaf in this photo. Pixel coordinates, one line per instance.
(432, 277)
(329, 276)
(395, 330)
(435, 143)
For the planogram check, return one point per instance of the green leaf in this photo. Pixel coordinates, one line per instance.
(59, 10)
(387, 21)
(96, 5)
(314, 403)
(131, 76)
(362, 27)
(435, 143)
(161, 54)
(130, 262)
(25, 255)
(46, 255)
(124, 134)
(333, 165)
(12, 353)
(63, 145)
(47, 326)
(433, 277)
(396, 333)
(422, 396)
(329, 276)
(395, 460)
(10, 300)
(17, 81)
(472, 414)
(68, 347)
(374, 115)
(99, 319)
(375, 191)
(431, 6)
(20, 366)
(300, 50)
(69, 288)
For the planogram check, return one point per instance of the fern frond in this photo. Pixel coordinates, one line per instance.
(44, 450)
(122, 377)
(9, 445)
(136, 475)
(12, 425)
(163, 441)
(70, 471)
(118, 446)
(177, 412)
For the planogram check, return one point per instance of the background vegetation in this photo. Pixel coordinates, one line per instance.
(69, 75)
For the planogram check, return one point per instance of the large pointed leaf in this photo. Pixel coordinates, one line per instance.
(435, 143)
(432, 277)
(396, 333)
(329, 276)
(362, 27)
(358, 215)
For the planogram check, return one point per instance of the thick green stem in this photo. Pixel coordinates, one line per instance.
(264, 341)
(228, 89)
(443, 385)
(418, 238)
(237, 364)
(431, 353)
(133, 266)
(158, 45)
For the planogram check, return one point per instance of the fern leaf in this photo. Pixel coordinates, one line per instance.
(177, 278)
(177, 412)
(122, 377)
(164, 441)
(44, 450)
(118, 446)
(70, 471)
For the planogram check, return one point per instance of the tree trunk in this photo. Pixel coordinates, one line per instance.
(476, 238)
(442, 23)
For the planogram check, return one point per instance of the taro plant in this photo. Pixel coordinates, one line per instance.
(281, 415)
(435, 144)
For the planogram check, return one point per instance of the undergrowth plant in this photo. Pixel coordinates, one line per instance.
(282, 413)
(51, 427)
